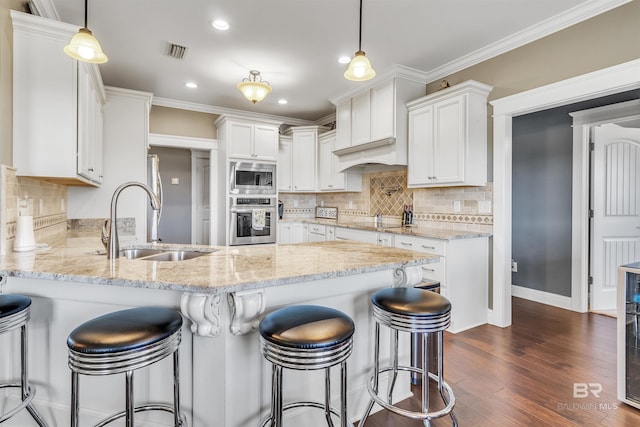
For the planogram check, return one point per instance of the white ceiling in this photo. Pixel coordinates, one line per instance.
(296, 43)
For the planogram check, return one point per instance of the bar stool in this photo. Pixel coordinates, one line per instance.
(414, 311)
(122, 342)
(14, 313)
(306, 337)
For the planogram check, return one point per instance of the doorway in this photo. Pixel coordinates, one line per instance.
(601, 83)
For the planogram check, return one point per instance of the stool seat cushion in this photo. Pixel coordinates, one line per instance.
(124, 330)
(411, 302)
(307, 327)
(12, 304)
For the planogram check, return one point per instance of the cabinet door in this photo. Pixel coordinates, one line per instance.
(303, 164)
(420, 161)
(329, 178)
(284, 165)
(449, 140)
(385, 239)
(383, 116)
(240, 144)
(265, 142)
(343, 124)
(85, 119)
(361, 119)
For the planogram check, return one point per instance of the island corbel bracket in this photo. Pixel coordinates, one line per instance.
(404, 277)
(204, 312)
(246, 309)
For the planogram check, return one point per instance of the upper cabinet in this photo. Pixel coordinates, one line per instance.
(448, 137)
(297, 159)
(329, 179)
(371, 124)
(248, 139)
(64, 98)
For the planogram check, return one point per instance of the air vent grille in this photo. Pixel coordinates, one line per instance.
(176, 51)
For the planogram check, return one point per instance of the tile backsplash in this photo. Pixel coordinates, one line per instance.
(386, 192)
(45, 201)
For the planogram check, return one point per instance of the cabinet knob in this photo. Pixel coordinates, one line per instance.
(90, 169)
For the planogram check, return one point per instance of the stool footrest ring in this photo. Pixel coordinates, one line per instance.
(292, 405)
(142, 408)
(450, 402)
(26, 402)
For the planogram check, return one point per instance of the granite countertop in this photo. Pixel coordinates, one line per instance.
(224, 269)
(396, 228)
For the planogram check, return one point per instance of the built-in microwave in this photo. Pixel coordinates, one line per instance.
(252, 178)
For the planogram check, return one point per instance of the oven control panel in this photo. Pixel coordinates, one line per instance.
(253, 201)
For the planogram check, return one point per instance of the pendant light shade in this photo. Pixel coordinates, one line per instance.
(360, 68)
(253, 88)
(84, 46)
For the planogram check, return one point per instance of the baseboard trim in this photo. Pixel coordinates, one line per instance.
(542, 297)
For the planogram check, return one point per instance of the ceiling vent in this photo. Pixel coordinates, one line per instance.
(176, 51)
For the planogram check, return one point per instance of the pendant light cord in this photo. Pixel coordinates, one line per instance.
(360, 31)
(85, 13)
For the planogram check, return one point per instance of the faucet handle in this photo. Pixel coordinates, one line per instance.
(105, 233)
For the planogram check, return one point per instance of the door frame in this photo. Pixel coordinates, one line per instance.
(583, 121)
(194, 144)
(608, 81)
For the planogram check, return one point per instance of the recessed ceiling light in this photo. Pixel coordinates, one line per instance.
(282, 101)
(344, 59)
(220, 24)
(191, 85)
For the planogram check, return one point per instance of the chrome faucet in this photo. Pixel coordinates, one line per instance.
(113, 244)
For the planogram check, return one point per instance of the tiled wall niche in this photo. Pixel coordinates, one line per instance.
(45, 201)
(386, 192)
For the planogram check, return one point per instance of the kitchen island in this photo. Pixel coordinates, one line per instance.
(223, 294)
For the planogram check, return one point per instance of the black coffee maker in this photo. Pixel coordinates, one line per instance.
(280, 209)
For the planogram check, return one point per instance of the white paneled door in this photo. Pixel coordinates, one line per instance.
(616, 204)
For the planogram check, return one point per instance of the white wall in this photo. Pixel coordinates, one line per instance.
(126, 130)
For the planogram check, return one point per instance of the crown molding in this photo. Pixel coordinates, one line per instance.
(46, 9)
(212, 109)
(552, 25)
(137, 94)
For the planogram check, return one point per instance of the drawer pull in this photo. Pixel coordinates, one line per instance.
(428, 269)
(406, 243)
(428, 247)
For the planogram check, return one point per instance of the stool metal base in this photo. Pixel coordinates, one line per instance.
(19, 320)
(150, 407)
(293, 405)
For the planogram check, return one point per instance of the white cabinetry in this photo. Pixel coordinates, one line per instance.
(316, 233)
(57, 105)
(448, 137)
(290, 232)
(462, 273)
(372, 124)
(329, 179)
(248, 139)
(299, 158)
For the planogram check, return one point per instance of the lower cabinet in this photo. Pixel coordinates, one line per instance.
(462, 273)
(290, 232)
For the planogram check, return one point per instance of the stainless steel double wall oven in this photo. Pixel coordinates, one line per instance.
(253, 203)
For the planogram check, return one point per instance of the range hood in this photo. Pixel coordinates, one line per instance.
(386, 151)
(371, 123)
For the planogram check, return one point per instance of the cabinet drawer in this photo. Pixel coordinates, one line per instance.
(421, 244)
(317, 229)
(358, 235)
(435, 271)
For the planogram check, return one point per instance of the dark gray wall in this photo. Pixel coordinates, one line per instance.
(175, 224)
(541, 185)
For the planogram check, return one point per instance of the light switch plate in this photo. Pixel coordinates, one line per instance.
(175, 181)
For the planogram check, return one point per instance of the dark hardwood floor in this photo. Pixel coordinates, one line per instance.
(524, 375)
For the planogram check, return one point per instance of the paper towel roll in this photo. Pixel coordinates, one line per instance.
(25, 240)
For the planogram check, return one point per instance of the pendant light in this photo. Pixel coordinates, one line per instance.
(84, 46)
(360, 68)
(253, 88)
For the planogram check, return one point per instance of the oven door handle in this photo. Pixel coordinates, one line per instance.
(250, 210)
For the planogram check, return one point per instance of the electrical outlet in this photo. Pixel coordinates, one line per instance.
(175, 181)
(484, 207)
(456, 206)
(514, 266)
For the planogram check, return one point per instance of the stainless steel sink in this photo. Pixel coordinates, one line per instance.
(147, 254)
